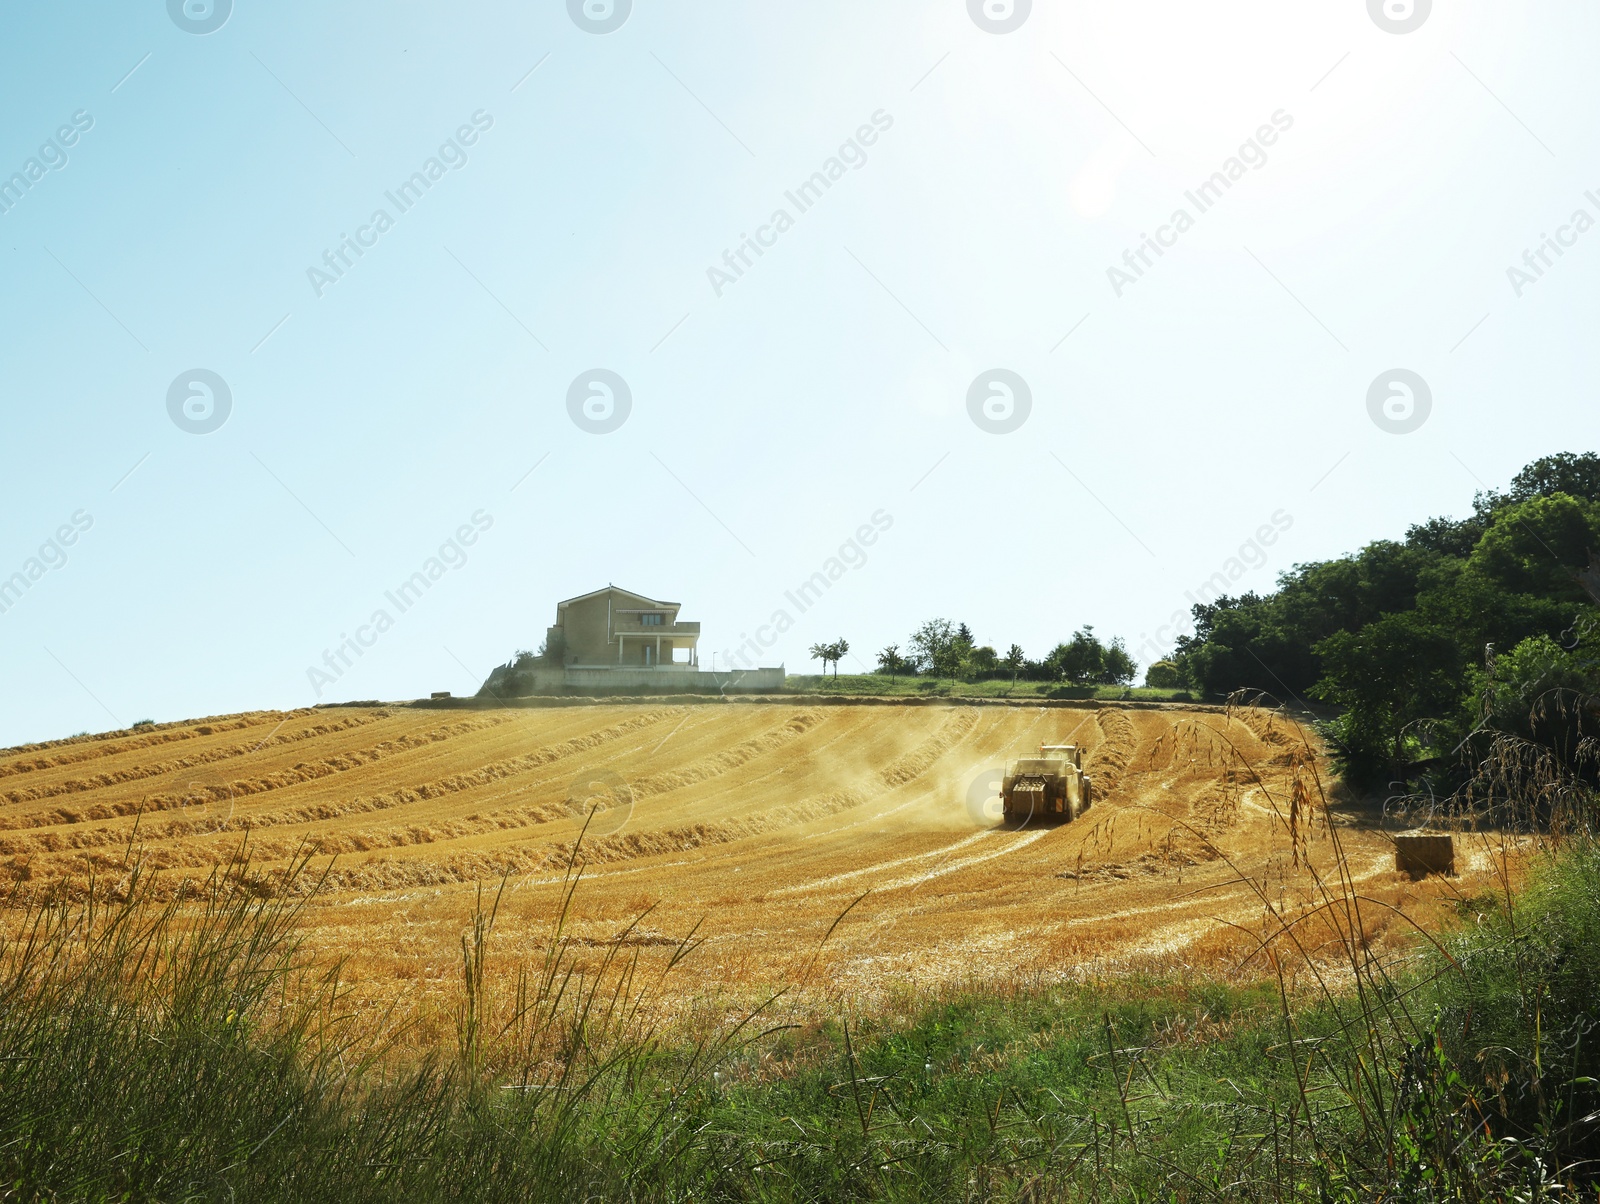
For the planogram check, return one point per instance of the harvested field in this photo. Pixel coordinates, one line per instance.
(763, 823)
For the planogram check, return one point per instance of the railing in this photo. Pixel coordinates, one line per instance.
(665, 630)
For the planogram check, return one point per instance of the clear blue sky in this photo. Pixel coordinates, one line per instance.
(771, 417)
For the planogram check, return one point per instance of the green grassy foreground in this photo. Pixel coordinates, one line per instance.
(187, 1052)
(885, 686)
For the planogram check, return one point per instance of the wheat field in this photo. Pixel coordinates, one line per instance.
(755, 826)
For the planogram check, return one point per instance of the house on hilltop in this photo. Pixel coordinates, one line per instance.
(614, 640)
(612, 626)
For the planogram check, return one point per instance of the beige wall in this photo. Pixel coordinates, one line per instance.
(587, 638)
(577, 681)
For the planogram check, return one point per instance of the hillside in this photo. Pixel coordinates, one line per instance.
(764, 821)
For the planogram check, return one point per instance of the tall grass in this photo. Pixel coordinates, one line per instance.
(1519, 1019)
(189, 1050)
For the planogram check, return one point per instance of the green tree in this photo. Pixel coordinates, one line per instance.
(1447, 536)
(1546, 691)
(1085, 661)
(890, 661)
(960, 661)
(1117, 667)
(930, 641)
(838, 650)
(941, 649)
(950, 661)
(1576, 475)
(1386, 678)
(1539, 546)
(1015, 660)
(823, 653)
(1589, 578)
(1510, 685)
(1268, 643)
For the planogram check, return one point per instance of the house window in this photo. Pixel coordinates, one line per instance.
(649, 620)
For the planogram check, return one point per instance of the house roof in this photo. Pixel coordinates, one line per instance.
(619, 590)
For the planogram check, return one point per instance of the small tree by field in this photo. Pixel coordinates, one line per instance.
(942, 649)
(1055, 663)
(1083, 657)
(950, 662)
(1118, 668)
(927, 641)
(1015, 660)
(890, 661)
(830, 654)
(823, 653)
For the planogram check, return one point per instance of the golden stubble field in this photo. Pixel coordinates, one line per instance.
(760, 823)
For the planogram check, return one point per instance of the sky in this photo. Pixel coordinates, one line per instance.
(301, 297)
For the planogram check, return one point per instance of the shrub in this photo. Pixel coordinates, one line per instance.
(1517, 1017)
(1163, 675)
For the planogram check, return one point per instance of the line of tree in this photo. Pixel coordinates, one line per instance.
(942, 649)
(1433, 647)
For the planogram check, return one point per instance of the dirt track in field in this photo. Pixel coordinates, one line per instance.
(763, 822)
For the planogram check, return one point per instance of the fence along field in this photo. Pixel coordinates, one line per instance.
(761, 823)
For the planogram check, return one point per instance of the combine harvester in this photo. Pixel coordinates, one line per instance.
(1051, 786)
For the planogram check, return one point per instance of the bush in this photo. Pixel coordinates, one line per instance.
(1163, 675)
(1517, 1018)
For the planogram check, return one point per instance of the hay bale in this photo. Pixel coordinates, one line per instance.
(1425, 853)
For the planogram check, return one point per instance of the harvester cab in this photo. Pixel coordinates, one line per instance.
(1051, 787)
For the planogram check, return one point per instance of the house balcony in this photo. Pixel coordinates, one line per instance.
(663, 646)
(667, 631)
